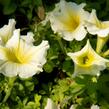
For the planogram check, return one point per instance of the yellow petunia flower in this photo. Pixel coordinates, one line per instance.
(6, 31)
(20, 58)
(67, 19)
(87, 61)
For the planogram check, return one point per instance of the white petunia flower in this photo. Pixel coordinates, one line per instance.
(67, 19)
(95, 107)
(6, 31)
(50, 105)
(20, 58)
(97, 27)
(87, 61)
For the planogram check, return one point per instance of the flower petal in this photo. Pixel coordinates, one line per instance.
(7, 30)
(40, 52)
(95, 26)
(14, 40)
(3, 53)
(28, 70)
(95, 107)
(50, 104)
(9, 69)
(93, 17)
(78, 53)
(92, 70)
(28, 38)
(80, 33)
(72, 107)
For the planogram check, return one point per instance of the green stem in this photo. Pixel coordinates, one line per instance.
(61, 45)
(100, 43)
(10, 86)
(106, 53)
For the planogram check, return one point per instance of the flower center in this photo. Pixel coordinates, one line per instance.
(17, 56)
(85, 60)
(71, 23)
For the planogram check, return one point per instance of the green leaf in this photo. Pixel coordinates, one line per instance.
(48, 67)
(9, 9)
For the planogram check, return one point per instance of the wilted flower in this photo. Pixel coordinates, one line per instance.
(87, 61)
(95, 107)
(6, 31)
(68, 19)
(20, 58)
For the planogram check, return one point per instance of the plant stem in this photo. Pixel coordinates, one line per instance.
(106, 53)
(10, 86)
(61, 45)
(100, 43)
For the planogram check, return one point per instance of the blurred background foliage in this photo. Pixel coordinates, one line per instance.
(56, 81)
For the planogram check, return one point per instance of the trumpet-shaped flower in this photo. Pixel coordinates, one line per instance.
(20, 58)
(67, 19)
(87, 61)
(6, 31)
(97, 27)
